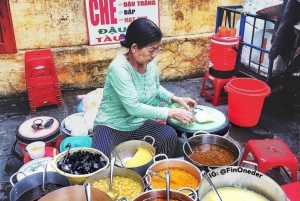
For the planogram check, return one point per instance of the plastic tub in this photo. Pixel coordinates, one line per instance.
(245, 105)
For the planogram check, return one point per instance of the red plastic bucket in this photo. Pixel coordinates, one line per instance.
(247, 85)
(244, 107)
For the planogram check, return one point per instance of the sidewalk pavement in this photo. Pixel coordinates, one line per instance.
(277, 120)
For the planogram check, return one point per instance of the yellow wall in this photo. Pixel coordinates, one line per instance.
(60, 25)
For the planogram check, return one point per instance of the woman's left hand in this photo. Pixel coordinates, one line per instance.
(185, 102)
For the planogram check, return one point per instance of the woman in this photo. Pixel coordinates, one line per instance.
(131, 85)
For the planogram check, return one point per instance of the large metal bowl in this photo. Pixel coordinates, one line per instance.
(124, 172)
(78, 179)
(236, 176)
(167, 163)
(162, 194)
(199, 139)
(75, 193)
(127, 150)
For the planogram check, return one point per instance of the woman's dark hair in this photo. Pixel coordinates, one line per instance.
(142, 32)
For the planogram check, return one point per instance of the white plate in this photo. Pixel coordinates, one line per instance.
(34, 166)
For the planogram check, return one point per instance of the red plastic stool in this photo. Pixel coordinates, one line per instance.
(271, 153)
(292, 191)
(218, 85)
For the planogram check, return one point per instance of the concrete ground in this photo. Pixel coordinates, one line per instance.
(277, 120)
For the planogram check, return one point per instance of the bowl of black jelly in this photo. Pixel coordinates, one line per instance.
(82, 162)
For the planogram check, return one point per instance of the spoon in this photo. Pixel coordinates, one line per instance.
(187, 142)
(111, 192)
(87, 188)
(211, 184)
(64, 166)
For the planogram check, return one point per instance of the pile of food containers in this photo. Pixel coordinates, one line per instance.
(139, 174)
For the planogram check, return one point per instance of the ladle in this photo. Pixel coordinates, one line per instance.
(45, 164)
(211, 184)
(167, 173)
(119, 157)
(87, 188)
(65, 167)
(111, 192)
(156, 174)
(187, 142)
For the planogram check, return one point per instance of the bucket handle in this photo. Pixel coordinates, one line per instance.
(152, 138)
(192, 194)
(13, 175)
(158, 155)
(15, 153)
(200, 132)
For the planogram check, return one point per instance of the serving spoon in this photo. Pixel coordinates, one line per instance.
(87, 188)
(112, 192)
(211, 184)
(64, 166)
(187, 142)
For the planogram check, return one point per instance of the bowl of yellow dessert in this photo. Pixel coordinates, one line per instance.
(136, 155)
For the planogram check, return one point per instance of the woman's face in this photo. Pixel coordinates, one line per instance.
(146, 54)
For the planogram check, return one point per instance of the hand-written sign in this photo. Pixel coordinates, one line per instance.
(108, 20)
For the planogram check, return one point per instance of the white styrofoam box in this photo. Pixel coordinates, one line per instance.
(255, 55)
(252, 6)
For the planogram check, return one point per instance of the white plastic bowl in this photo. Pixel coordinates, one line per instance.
(65, 124)
(36, 149)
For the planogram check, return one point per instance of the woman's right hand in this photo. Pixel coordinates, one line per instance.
(182, 115)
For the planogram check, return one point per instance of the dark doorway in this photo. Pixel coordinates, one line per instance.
(7, 36)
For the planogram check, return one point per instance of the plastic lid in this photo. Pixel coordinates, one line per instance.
(225, 38)
(27, 134)
(76, 142)
(219, 119)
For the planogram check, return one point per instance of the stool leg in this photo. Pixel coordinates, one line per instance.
(203, 88)
(217, 92)
(245, 153)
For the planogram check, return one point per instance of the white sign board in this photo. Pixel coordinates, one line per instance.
(107, 20)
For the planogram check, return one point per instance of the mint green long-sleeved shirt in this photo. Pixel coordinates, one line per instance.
(127, 96)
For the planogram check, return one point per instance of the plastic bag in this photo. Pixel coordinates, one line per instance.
(90, 100)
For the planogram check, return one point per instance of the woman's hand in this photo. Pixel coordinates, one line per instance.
(185, 102)
(182, 115)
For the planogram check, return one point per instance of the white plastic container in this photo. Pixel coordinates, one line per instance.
(36, 149)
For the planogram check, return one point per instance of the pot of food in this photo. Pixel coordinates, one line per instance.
(235, 183)
(126, 183)
(136, 155)
(211, 151)
(81, 162)
(182, 174)
(76, 193)
(161, 195)
(30, 188)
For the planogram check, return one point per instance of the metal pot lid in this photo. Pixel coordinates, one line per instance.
(34, 166)
(35, 128)
(219, 119)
